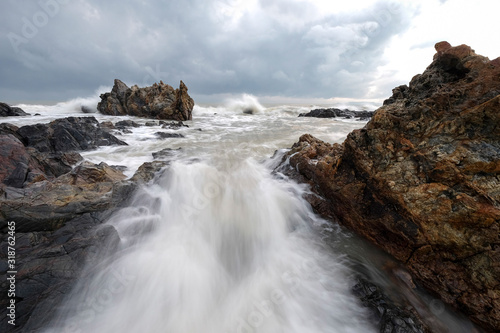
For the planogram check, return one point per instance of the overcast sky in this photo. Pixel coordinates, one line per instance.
(278, 50)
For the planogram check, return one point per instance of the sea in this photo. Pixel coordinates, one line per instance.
(221, 243)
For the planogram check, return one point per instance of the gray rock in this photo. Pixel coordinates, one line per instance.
(11, 111)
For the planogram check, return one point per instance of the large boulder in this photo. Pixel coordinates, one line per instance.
(422, 180)
(46, 151)
(48, 265)
(159, 101)
(334, 113)
(11, 111)
(67, 134)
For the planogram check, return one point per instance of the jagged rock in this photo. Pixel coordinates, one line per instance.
(47, 205)
(166, 135)
(334, 113)
(87, 109)
(148, 171)
(173, 125)
(14, 161)
(46, 151)
(422, 180)
(167, 152)
(11, 111)
(126, 123)
(159, 101)
(389, 316)
(48, 264)
(58, 215)
(398, 93)
(20, 165)
(67, 134)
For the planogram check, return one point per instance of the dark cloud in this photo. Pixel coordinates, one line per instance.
(54, 49)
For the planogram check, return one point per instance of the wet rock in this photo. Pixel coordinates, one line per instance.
(47, 205)
(166, 135)
(21, 166)
(88, 109)
(390, 317)
(149, 171)
(11, 111)
(334, 113)
(48, 263)
(107, 125)
(421, 180)
(159, 101)
(173, 125)
(67, 134)
(398, 93)
(126, 123)
(167, 152)
(58, 210)
(14, 161)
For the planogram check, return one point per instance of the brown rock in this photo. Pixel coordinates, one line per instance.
(422, 180)
(14, 161)
(159, 101)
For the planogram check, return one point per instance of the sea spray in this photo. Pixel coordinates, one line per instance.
(212, 248)
(247, 104)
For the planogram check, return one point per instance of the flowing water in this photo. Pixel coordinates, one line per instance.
(217, 244)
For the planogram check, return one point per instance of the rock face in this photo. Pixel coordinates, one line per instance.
(58, 209)
(39, 187)
(48, 264)
(159, 101)
(334, 113)
(9, 111)
(422, 179)
(46, 151)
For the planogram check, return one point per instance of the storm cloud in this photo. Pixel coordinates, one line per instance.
(58, 49)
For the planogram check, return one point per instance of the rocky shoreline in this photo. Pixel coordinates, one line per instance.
(59, 203)
(159, 101)
(421, 180)
(337, 113)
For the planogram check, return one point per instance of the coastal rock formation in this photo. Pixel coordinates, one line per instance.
(46, 151)
(11, 111)
(159, 101)
(334, 113)
(48, 264)
(422, 179)
(39, 187)
(58, 208)
(67, 134)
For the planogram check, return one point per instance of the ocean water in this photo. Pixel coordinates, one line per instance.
(219, 244)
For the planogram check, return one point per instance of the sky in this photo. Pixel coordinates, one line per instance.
(283, 51)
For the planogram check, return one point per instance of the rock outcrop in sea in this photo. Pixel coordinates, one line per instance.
(159, 101)
(11, 111)
(422, 180)
(337, 113)
(58, 202)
